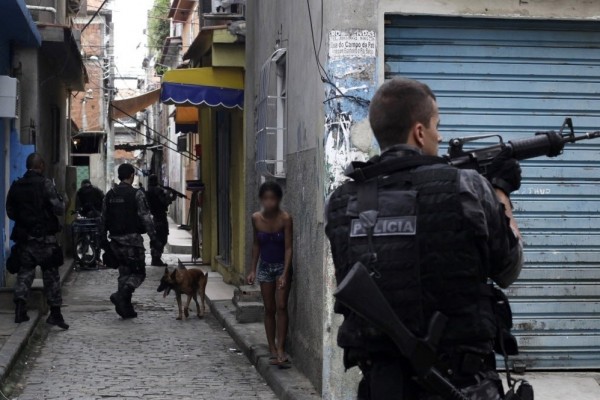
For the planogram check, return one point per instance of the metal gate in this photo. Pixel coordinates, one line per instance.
(223, 182)
(515, 77)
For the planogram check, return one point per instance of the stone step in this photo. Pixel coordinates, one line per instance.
(249, 312)
(246, 293)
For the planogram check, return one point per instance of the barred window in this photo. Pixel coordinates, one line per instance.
(271, 117)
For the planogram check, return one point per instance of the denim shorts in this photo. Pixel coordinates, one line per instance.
(269, 272)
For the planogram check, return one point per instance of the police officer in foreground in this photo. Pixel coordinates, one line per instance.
(125, 217)
(89, 199)
(441, 233)
(159, 199)
(35, 205)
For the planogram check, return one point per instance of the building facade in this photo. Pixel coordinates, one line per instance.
(89, 107)
(41, 51)
(17, 30)
(509, 68)
(201, 112)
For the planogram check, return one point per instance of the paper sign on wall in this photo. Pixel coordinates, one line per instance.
(352, 43)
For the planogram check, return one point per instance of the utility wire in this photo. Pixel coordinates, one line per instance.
(146, 125)
(94, 16)
(154, 142)
(322, 71)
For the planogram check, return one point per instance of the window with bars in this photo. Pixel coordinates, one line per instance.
(271, 117)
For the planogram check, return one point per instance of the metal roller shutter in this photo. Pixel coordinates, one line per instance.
(515, 77)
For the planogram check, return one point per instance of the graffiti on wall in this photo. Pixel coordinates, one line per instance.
(351, 67)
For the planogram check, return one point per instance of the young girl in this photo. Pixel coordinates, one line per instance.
(273, 245)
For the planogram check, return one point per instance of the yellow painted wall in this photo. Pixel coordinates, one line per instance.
(237, 192)
(208, 178)
(234, 272)
(228, 55)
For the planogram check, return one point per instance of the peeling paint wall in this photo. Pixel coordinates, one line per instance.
(346, 137)
(352, 82)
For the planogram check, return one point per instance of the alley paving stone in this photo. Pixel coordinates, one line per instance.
(151, 357)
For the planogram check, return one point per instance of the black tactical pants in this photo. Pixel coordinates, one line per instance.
(389, 379)
(161, 224)
(31, 254)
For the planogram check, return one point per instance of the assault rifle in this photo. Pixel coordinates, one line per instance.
(548, 143)
(360, 294)
(177, 193)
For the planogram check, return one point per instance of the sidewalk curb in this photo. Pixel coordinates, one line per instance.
(287, 384)
(12, 348)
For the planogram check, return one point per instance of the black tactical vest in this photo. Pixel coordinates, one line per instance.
(121, 211)
(157, 206)
(90, 199)
(34, 212)
(427, 258)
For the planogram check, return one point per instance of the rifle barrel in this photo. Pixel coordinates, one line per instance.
(585, 136)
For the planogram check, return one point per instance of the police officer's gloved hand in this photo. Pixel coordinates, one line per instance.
(504, 172)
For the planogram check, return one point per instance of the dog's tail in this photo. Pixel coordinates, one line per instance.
(203, 282)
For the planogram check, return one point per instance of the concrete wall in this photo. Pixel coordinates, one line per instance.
(97, 170)
(287, 22)
(322, 139)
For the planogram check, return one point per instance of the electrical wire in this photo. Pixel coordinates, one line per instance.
(3, 396)
(149, 128)
(94, 16)
(322, 71)
(154, 142)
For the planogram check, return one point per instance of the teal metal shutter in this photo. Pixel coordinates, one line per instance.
(516, 77)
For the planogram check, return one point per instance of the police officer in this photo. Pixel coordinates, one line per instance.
(89, 199)
(440, 234)
(125, 216)
(35, 205)
(159, 199)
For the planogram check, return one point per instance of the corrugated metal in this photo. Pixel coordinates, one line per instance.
(514, 78)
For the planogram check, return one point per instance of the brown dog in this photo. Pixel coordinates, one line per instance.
(187, 281)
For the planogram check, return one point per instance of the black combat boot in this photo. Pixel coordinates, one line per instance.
(128, 311)
(158, 262)
(119, 302)
(21, 311)
(56, 318)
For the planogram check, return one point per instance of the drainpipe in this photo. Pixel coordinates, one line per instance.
(42, 8)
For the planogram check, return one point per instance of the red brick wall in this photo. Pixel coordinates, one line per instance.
(92, 42)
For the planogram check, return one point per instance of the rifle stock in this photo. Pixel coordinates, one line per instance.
(360, 294)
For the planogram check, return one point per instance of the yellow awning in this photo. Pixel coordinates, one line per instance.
(120, 108)
(228, 78)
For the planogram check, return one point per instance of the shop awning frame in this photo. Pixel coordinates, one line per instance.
(126, 107)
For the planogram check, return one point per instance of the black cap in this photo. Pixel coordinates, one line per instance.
(153, 180)
(86, 182)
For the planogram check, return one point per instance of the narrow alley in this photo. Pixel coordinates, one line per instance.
(151, 357)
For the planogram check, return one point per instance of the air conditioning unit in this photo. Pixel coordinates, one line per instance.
(9, 97)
